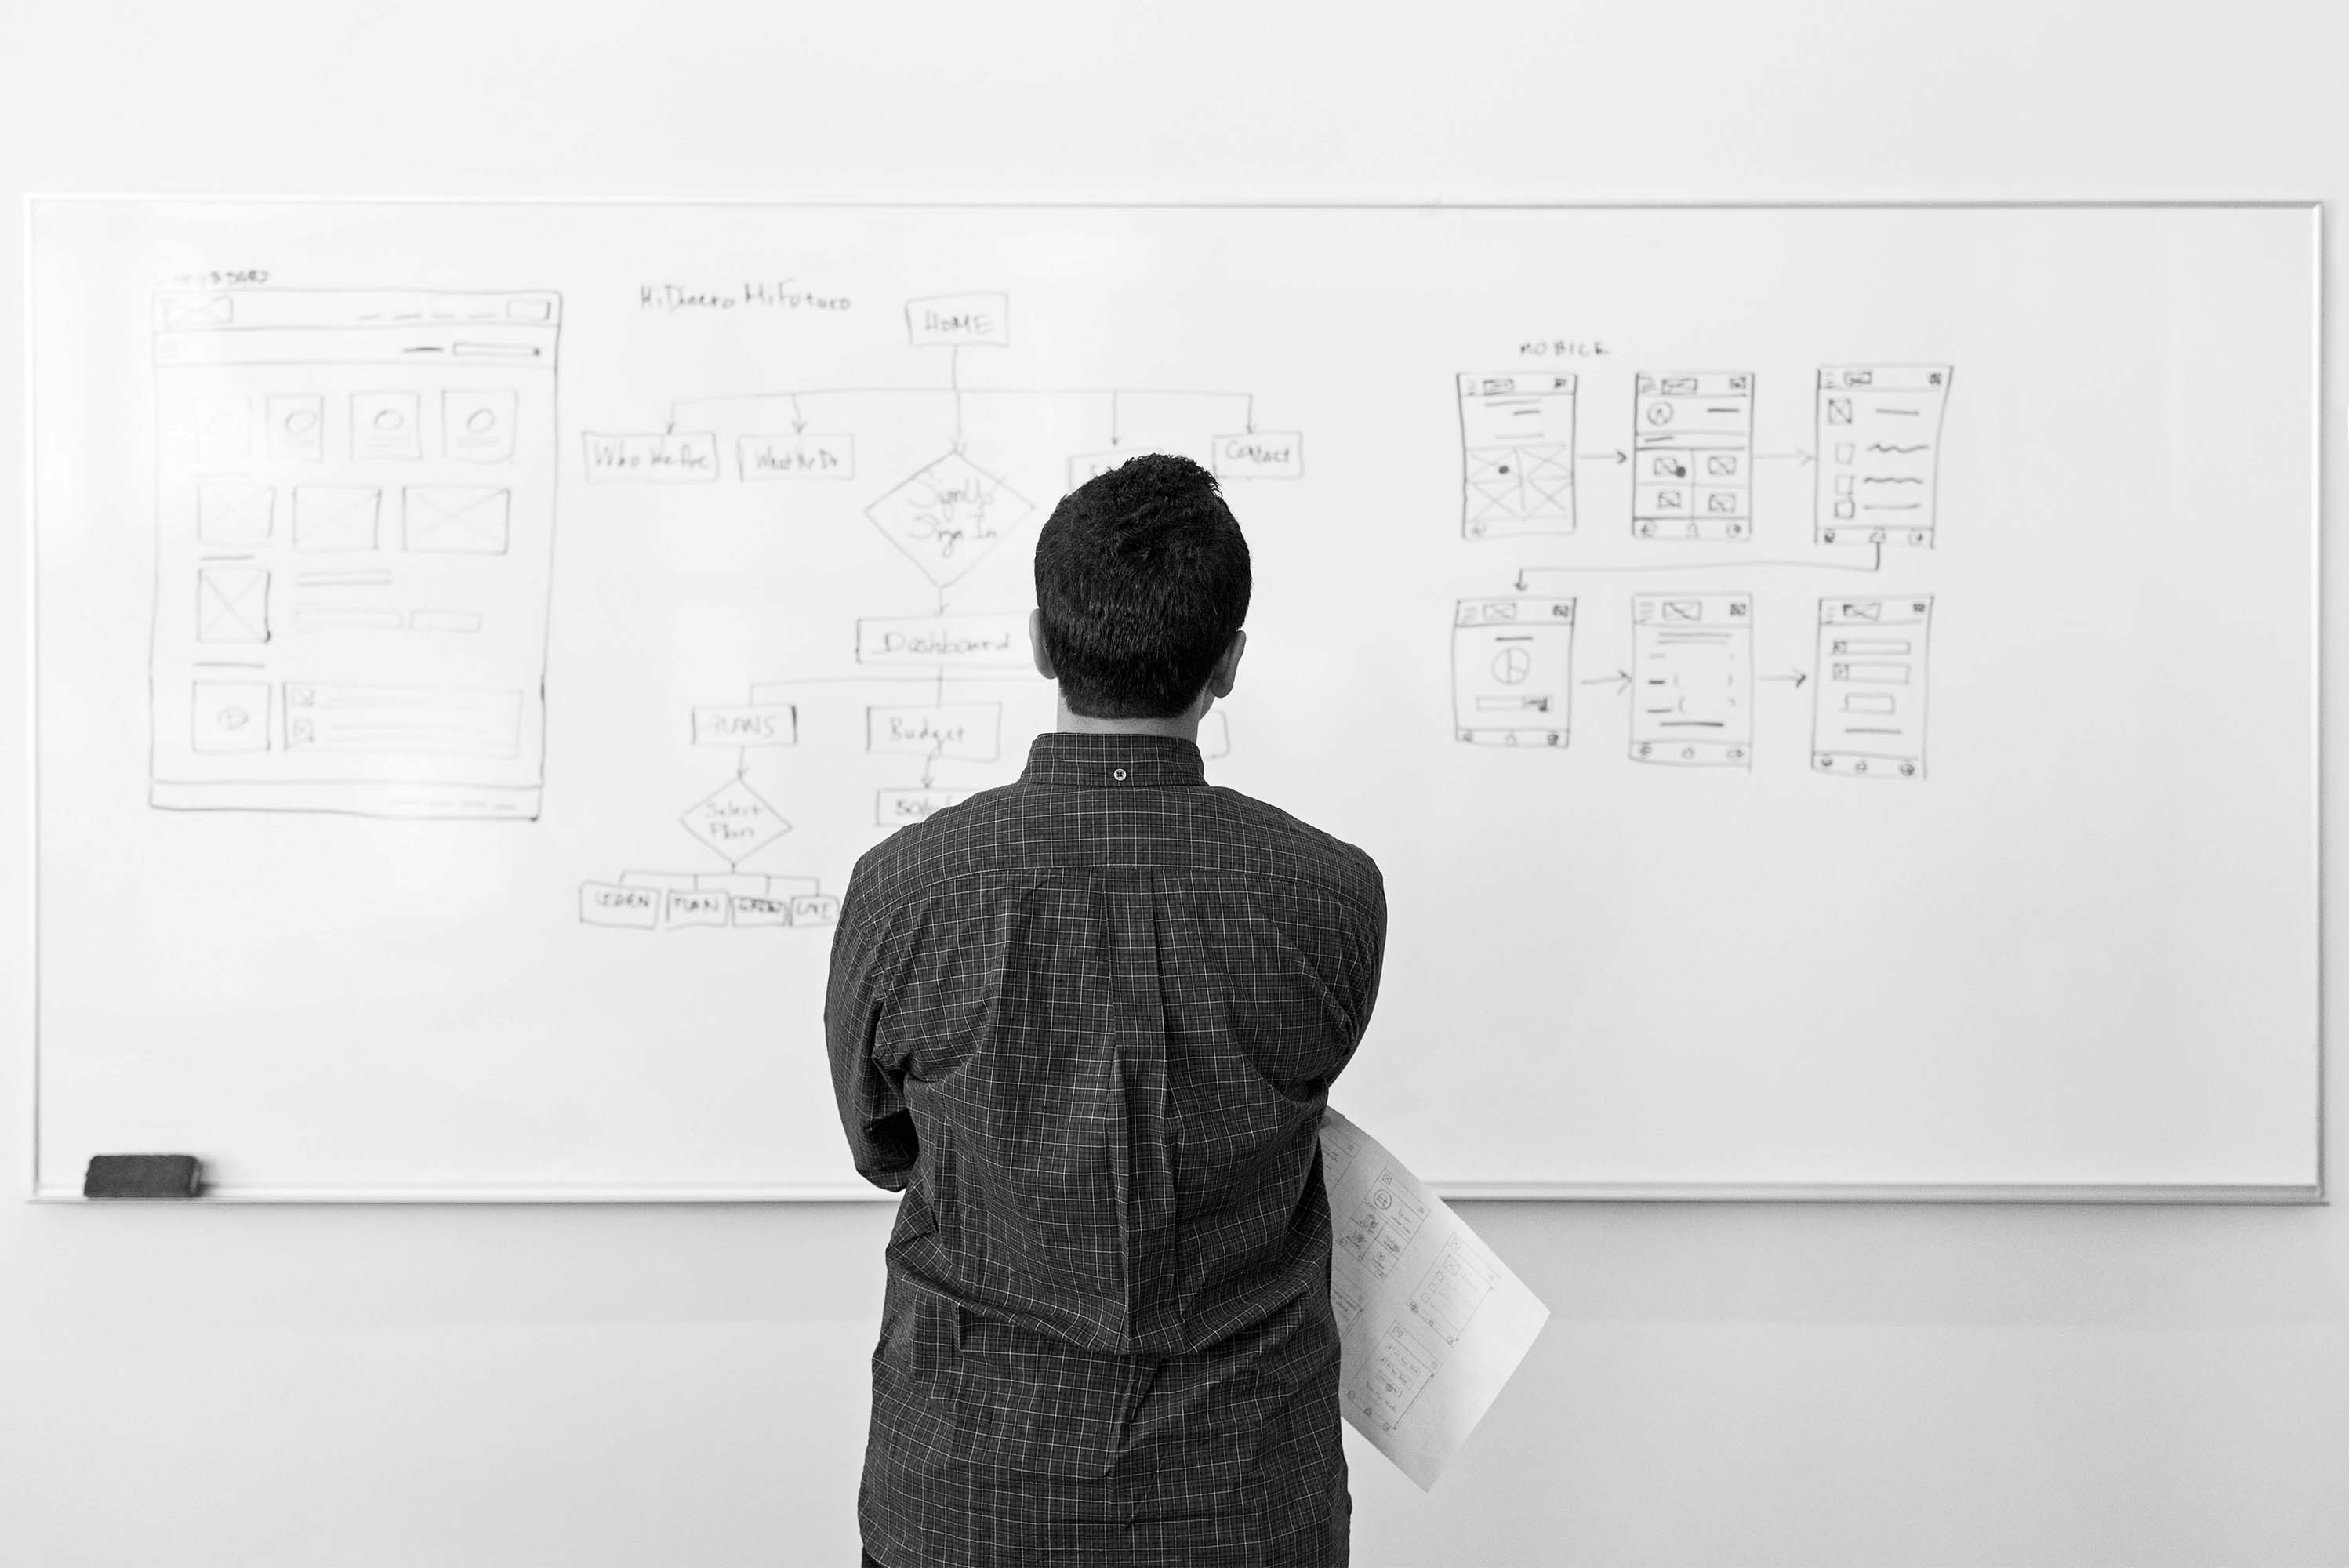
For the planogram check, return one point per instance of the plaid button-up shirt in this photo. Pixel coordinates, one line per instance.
(1088, 1023)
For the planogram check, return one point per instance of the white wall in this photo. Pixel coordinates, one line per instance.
(1719, 1385)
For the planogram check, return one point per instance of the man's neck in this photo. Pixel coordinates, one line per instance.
(1182, 727)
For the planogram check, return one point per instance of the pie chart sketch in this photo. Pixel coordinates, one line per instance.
(1511, 666)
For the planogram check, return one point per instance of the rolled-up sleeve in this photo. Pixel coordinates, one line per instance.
(881, 1139)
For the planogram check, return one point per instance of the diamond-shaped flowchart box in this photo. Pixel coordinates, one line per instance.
(735, 821)
(948, 515)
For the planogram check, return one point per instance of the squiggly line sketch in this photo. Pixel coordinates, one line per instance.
(1861, 455)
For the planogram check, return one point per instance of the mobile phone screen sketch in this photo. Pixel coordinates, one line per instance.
(1516, 449)
(1454, 1287)
(1880, 444)
(1869, 713)
(1513, 671)
(1692, 680)
(1400, 1364)
(1692, 448)
(355, 522)
(1379, 1228)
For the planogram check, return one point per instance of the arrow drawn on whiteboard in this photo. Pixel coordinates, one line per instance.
(954, 381)
(1797, 677)
(1621, 680)
(1804, 458)
(799, 421)
(1616, 454)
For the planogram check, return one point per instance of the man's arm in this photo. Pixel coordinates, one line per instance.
(1361, 958)
(1368, 956)
(872, 1102)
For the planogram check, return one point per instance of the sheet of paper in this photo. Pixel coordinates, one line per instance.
(1431, 1323)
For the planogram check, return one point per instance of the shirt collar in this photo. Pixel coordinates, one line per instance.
(1064, 759)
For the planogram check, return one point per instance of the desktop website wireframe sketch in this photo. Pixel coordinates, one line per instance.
(354, 538)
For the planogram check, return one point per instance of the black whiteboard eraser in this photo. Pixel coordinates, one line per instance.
(142, 1176)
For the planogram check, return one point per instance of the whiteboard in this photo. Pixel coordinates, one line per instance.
(1832, 689)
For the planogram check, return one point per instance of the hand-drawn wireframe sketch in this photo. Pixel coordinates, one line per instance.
(477, 423)
(1260, 455)
(967, 731)
(796, 456)
(1400, 1366)
(947, 515)
(354, 522)
(1345, 1302)
(228, 717)
(1516, 449)
(653, 458)
(1879, 435)
(1341, 1143)
(757, 724)
(232, 513)
(944, 517)
(386, 425)
(337, 517)
(994, 641)
(231, 605)
(1454, 1287)
(1383, 1224)
(223, 430)
(1868, 703)
(897, 807)
(735, 820)
(1692, 680)
(937, 719)
(671, 901)
(1692, 456)
(297, 427)
(455, 520)
(959, 320)
(1513, 671)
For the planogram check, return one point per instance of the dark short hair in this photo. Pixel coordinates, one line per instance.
(1142, 579)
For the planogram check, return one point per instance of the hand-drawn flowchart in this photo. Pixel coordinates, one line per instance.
(357, 495)
(932, 689)
(1689, 666)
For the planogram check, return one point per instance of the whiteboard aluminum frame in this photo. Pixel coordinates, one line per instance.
(2315, 1192)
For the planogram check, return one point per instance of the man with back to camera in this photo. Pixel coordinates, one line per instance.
(1087, 1023)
